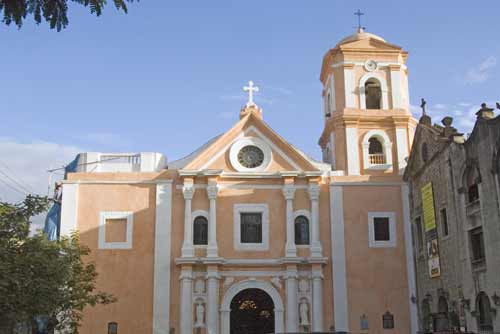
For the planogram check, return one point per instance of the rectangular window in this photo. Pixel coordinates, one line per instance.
(477, 244)
(444, 222)
(251, 227)
(382, 229)
(420, 237)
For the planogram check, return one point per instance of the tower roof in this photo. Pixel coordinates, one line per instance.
(360, 34)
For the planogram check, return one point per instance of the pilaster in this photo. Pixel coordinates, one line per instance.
(291, 287)
(186, 300)
(314, 192)
(188, 192)
(212, 300)
(289, 194)
(317, 298)
(212, 191)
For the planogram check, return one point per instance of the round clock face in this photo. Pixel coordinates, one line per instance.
(371, 65)
(250, 156)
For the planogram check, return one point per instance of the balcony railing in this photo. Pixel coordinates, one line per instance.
(376, 159)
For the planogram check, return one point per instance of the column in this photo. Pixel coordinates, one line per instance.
(290, 248)
(186, 302)
(351, 135)
(292, 306)
(212, 191)
(402, 148)
(212, 300)
(316, 249)
(397, 101)
(317, 299)
(187, 246)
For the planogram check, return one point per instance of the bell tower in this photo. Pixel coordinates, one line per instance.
(368, 127)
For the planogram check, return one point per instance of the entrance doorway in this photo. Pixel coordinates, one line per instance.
(252, 312)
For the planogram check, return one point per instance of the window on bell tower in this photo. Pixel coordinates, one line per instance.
(373, 94)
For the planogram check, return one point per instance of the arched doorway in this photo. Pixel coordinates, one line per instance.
(252, 312)
(441, 321)
(235, 289)
(483, 308)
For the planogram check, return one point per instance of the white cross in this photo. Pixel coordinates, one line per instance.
(250, 89)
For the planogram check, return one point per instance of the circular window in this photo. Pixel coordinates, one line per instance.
(250, 156)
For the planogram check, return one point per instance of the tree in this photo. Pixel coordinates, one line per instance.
(39, 277)
(52, 11)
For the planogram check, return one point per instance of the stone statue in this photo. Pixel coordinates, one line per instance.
(200, 312)
(304, 313)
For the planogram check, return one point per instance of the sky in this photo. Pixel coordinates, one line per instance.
(168, 75)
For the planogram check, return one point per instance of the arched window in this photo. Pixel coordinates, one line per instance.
(471, 182)
(376, 151)
(426, 316)
(425, 152)
(483, 308)
(388, 320)
(112, 328)
(373, 94)
(442, 322)
(301, 230)
(200, 231)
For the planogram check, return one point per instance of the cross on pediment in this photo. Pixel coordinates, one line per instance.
(250, 89)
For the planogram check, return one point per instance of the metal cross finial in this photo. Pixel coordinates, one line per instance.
(250, 89)
(422, 105)
(359, 13)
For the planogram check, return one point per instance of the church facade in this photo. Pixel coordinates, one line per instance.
(248, 234)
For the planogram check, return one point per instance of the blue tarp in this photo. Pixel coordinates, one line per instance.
(53, 220)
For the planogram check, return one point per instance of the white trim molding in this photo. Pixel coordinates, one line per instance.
(127, 244)
(250, 141)
(392, 230)
(386, 145)
(251, 208)
(339, 275)
(163, 226)
(252, 284)
(383, 87)
(410, 267)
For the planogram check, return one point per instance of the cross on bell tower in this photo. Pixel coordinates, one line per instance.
(359, 13)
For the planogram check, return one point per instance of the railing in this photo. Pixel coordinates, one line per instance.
(376, 159)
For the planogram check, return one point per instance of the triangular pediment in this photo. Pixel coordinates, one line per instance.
(279, 155)
(370, 43)
(428, 136)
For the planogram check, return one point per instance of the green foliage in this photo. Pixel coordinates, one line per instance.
(53, 12)
(42, 277)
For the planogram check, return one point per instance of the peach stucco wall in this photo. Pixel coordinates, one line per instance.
(128, 273)
(376, 277)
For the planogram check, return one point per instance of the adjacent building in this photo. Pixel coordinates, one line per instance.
(454, 204)
(248, 234)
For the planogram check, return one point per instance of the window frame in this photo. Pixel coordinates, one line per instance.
(392, 242)
(196, 214)
(251, 208)
(474, 232)
(420, 234)
(103, 216)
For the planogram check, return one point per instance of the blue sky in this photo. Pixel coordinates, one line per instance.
(167, 76)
